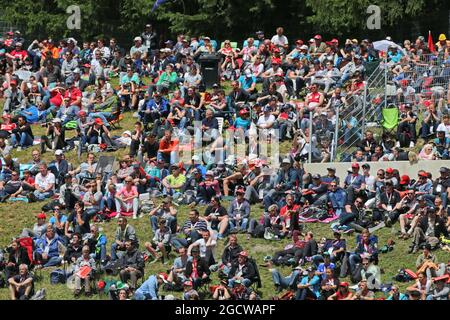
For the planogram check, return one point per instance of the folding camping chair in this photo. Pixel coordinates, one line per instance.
(390, 118)
(30, 246)
(104, 168)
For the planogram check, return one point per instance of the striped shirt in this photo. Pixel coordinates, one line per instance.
(200, 225)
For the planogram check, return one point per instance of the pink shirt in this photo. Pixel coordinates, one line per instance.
(126, 194)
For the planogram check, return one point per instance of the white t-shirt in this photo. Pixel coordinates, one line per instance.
(370, 183)
(446, 128)
(202, 245)
(45, 182)
(263, 120)
(279, 41)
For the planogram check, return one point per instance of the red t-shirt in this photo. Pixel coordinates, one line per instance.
(8, 127)
(314, 97)
(179, 100)
(73, 94)
(56, 98)
(19, 54)
(284, 210)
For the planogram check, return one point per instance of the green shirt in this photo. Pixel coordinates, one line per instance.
(178, 181)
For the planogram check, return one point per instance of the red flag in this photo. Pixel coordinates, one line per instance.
(431, 43)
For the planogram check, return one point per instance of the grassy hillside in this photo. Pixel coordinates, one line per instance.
(16, 216)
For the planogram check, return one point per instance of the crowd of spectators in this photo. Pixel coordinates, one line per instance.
(67, 88)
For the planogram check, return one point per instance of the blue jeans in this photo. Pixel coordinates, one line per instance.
(172, 158)
(243, 224)
(171, 223)
(114, 256)
(68, 114)
(179, 242)
(285, 282)
(25, 140)
(104, 116)
(139, 295)
(353, 260)
(53, 262)
(245, 282)
(100, 255)
(41, 196)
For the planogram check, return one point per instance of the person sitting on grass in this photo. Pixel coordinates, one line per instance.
(243, 271)
(131, 265)
(197, 269)
(84, 261)
(149, 289)
(192, 229)
(217, 216)
(124, 232)
(127, 198)
(174, 183)
(44, 184)
(239, 212)
(207, 244)
(49, 248)
(21, 286)
(309, 286)
(343, 293)
(17, 255)
(160, 241)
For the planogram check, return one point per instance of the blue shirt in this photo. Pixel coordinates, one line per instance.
(356, 182)
(149, 288)
(242, 123)
(314, 284)
(246, 83)
(321, 268)
(62, 219)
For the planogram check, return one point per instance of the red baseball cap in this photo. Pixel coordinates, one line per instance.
(423, 174)
(82, 113)
(318, 37)
(343, 284)
(390, 170)
(355, 165)
(41, 216)
(404, 180)
(13, 82)
(243, 112)
(98, 121)
(243, 254)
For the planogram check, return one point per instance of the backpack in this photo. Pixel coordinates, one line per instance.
(405, 139)
(71, 125)
(58, 276)
(257, 278)
(402, 276)
(356, 275)
(258, 232)
(40, 295)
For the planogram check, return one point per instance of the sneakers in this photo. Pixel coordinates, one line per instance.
(411, 144)
(397, 145)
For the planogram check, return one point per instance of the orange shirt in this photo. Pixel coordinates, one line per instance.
(54, 51)
(168, 145)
